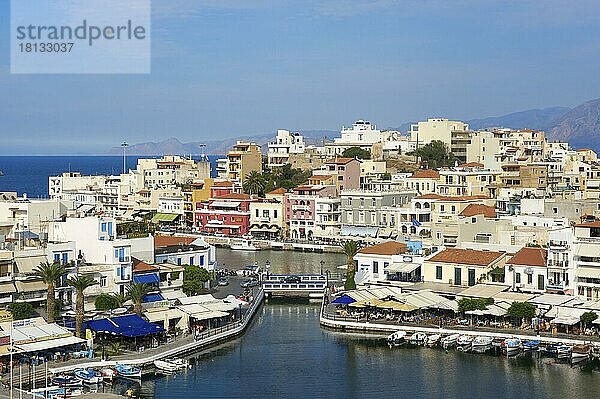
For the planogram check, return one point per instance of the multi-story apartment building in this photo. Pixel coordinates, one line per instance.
(300, 209)
(285, 144)
(328, 219)
(423, 181)
(242, 159)
(266, 219)
(468, 179)
(524, 175)
(345, 173)
(362, 134)
(454, 134)
(586, 256)
(29, 216)
(228, 215)
(560, 265)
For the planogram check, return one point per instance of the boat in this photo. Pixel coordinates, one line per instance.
(581, 351)
(1, 173)
(245, 245)
(531, 345)
(596, 351)
(433, 340)
(163, 365)
(550, 349)
(449, 341)
(511, 346)
(66, 381)
(482, 343)
(563, 351)
(107, 374)
(61, 393)
(418, 338)
(397, 338)
(128, 371)
(182, 363)
(88, 376)
(464, 342)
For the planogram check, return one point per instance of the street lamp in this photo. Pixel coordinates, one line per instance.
(124, 146)
(322, 263)
(267, 267)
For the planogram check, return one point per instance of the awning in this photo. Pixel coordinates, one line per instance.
(222, 226)
(407, 267)
(343, 300)
(200, 312)
(583, 249)
(161, 315)
(172, 295)
(130, 326)
(7, 288)
(224, 204)
(164, 217)
(211, 314)
(566, 320)
(153, 298)
(588, 272)
(359, 231)
(27, 265)
(30, 286)
(147, 278)
(49, 344)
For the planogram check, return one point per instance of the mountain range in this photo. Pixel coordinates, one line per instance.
(580, 126)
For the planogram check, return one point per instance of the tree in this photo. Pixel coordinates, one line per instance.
(20, 310)
(106, 302)
(80, 283)
(469, 304)
(386, 176)
(136, 293)
(356, 152)
(521, 310)
(350, 249)
(588, 317)
(194, 278)
(436, 154)
(254, 183)
(50, 273)
(284, 177)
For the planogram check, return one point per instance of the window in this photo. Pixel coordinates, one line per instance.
(457, 276)
(518, 278)
(529, 278)
(375, 267)
(178, 261)
(373, 202)
(56, 258)
(265, 213)
(103, 281)
(438, 272)
(256, 212)
(541, 282)
(191, 260)
(103, 227)
(385, 265)
(202, 260)
(275, 213)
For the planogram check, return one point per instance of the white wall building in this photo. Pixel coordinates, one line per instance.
(285, 143)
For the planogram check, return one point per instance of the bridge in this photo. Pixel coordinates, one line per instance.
(308, 285)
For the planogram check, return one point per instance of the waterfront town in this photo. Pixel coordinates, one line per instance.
(494, 233)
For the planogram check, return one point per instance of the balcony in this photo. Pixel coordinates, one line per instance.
(563, 264)
(300, 207)
(170, 284)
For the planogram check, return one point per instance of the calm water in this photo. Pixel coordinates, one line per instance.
(29, 174)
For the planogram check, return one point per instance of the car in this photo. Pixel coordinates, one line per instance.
(223, 281)
(249, 282)
(292, 279)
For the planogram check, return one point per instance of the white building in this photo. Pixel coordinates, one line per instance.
(361, 134)
(586, 255)
(172, 205)
(29, 215)
(561, 268)
(387, 261)
(440, 129)
(526, 271)
(286, 143)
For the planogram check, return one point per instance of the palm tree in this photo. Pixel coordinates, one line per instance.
(120, 299)
(255, 183)
(350, 249)
(50, 273)
(136, 293)
(80, 283)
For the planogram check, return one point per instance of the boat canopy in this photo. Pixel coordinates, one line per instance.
(130, 326)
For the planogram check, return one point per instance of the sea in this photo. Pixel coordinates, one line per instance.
(286, 354)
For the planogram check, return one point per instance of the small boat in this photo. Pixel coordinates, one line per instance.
(107, 374)
(397, 338)
(1, 173)
(449, 341)
(128, 371)
(182, 363)
(418, 338)
(550, 349)
(563, 351)
(66, 381)
(482, 343)
(531, 345)
(163, 365)
(245, 245)
(464, 342)
(581, 351)
(596, 351)
(511, 346)
(88, 376)
(433, 340)
(61, 393)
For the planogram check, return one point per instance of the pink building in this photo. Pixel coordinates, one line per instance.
(300, 215)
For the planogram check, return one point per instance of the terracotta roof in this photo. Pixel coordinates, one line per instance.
(584, 149)
(386, 248)
(277, 191)
(222, 184)
(466, 256)
(589, 224)
(464, 198)
(479, 209)
(167, 241)
(529, 256)
(141, 266)
(340, 161)
(234, 196)
(429, 196)
(425, 174)
(471, 165)
(320, 177)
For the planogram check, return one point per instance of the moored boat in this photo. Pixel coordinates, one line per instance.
(563, 351)
(531, 345)
(66, 381)
(581, 351)
(88, 376)
(245, 245)
(182, 363)
(550, 349)
(464, 342)
(163, 365)
(418, 338)
(107, 374)
(449, 341)
(433, 340)
(63, 393)
(396, 338)
(482, 343)
(128, 371)
(511, 346)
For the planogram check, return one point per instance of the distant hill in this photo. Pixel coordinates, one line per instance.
(580, 126)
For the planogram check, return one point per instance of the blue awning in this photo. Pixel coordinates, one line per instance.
(130, 326)
(148, 278)
(343, 300)
(153, 298)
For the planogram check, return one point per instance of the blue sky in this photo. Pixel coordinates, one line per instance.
(225, 68)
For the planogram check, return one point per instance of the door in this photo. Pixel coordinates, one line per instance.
(457, 276)
(471, 277)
